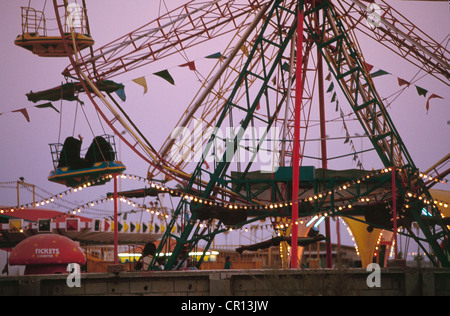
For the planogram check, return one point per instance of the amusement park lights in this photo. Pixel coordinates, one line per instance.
(192, 198)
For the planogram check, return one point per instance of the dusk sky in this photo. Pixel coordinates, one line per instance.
(24, 146)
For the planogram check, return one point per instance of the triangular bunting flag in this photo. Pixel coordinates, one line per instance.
(214, 56)
(165, 75)
(328, 78)
(286, 67)
(142, 82)
(25, 113)
(331, 87)
(347, 137)
(144, 228)
(156, 228)
(433, 96)
(121, 94)
(106, 226)
(379, 73)
(369, 67)
(402, 82)
(190, 64)
(125, 227)
(46, 105)
(244, 49)
(333, 98)
(132, 227)
(421, 91)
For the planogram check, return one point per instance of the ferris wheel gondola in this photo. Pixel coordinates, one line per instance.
(96, 168)
(35, 35)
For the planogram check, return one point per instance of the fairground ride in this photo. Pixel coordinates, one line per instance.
(275, 63)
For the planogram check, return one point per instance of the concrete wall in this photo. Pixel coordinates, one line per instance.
(397, 282)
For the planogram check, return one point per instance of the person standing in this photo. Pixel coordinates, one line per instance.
(227, 263)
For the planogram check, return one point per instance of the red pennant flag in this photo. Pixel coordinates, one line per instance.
(369, 67)
(72, 224)
(106, 226)
(190, 64)
(402, 82)
(24, 112)
(433, 96)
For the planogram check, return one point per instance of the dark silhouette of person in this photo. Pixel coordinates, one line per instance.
(70, 154)
(100, 150)
(227, 263)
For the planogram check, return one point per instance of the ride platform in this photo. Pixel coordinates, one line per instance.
(34, 35)
(98, 174)
(51, 46)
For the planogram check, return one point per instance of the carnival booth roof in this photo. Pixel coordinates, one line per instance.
(21, 223)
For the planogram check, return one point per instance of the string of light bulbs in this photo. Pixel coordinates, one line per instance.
(189, 197)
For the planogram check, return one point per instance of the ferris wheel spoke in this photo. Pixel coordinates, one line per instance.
(194, 24)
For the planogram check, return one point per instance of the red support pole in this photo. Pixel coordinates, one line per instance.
(116, 223)
(394, 212)
(296, 153)
(323, 142)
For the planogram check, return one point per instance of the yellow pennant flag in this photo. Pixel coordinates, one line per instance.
(141, 81)
(244, 49)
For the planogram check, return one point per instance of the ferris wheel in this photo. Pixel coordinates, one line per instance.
(265, 82)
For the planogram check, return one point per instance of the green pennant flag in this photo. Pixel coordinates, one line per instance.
(421, 91)
(347, 137)
(165, 75)
(214, 56)
(334, 97)
(379, 73)
(144, 227)
(331, 87)
(286, 67)
(46, 105)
